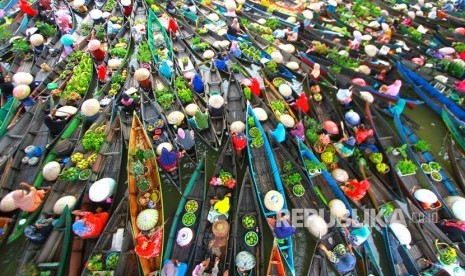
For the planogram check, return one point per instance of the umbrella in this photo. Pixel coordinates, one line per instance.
(185, 236)
(274, 201)
(90, 107)
(175, 118)
(23, 78)
(220, 228)
(62, 203)
(147, 219)
(340, 175)
(245, 260)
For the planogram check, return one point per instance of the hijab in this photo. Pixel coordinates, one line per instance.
(185, 139)
(234, 46)
(168, 158)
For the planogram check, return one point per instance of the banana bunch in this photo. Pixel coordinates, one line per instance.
(77, 157)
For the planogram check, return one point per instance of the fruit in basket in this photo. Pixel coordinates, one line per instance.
(188, 219)
(92, 158)
(191, 206)
(112, 261)
(83, 164)
(70, 173)
(248, 221)
(77, 157)
(251, 238)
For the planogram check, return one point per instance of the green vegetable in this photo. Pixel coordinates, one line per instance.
(47, 30)
(248, 221)
(191, 206)
(188, 219)
(143, 54)
(278, 105)
(406, 167)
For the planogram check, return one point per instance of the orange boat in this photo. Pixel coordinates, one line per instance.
(276, 265)
(149, 261)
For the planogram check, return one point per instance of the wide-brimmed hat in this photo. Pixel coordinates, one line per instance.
(216, 101)
(274, 201)
(185, 236)
(220, 228)
(425, 196)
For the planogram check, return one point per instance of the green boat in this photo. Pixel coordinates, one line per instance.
(458, 132)
(154, 26)
(194, 196)
(7, 112)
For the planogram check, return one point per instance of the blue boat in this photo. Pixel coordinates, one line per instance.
(264, 173)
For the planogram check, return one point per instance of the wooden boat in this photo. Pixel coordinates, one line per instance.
(139, 137)
(276, 265)
(151, 113)
(126, 118)
(266, 178)
(161, 44)
(208, 243)
(446, 186)
(10, 141)
(117, 239)
(430, 95)
(318, 265)
(54, 256)
(195, 192)
(457, 162)
(248, 207)
(214, 86)
(236, 107)
(107, 165)
(455, 127)
(409, 182)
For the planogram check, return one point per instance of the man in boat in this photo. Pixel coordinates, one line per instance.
(342, 260)
(186, 139)
(127, 7)
(29, 201)
(6, 87)
(39, 232)
(56, 124)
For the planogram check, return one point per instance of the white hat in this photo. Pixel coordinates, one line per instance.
(285, 90)
(425, 196)
(216, 101)
(260, 113)
(175, 118)
(367, 96)
(213, 17)
(287, 120)
(340, 175)
(457, 205)
(261, 21)
(102, 189)
(308, 14)
(165, 145)
(402, 233)
(115, 63)
(131, 90)
(7, 204)
(93, 45)
(66, 110)
(51, 171)
(367, 37)
(384, 13)
(274, 201)
(277, 57)
(237, 127)
(337, 208)
(292, 65)
(291, 19)
(96, 14)
(371, 50)
(230, 5)
(185, 236)
(191, 109)
(289, 48)
(78, 3)
(141, 74)
(36, 39)
(374, 24)
(208, 54)
(364, 69)
(384, 26)
(62, 203)
(90, 107)
(411, 14)
(23, 78)
(107, 15)
(125, 2)
(441, 78)
(316, 225)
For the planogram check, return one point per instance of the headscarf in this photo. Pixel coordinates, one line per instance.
(185, 139)
(234, 46)
(298, 131)
(316, 71)
(197, 83)
(165, 70)
(168, 158)
(235, 24)
(393, 89)
(126, 100)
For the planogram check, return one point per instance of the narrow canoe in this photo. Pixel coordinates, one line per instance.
(276, 265)
(457, 162)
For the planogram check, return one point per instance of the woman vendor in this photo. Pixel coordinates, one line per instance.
(55, 124)
(186, 139)
(235, 50)
(149, 245)
(239, 143)
(168, 160)
(29, 202)
(89, 225)
(39, 232)
(128, 103)
(283, 229)
(197, 84)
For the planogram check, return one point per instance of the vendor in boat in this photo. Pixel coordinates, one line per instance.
(127, 7)
(355, 189)
(299, 130)
(168, 159)
(454, 229)
(293, 36)
(39, 232)
(358, 232)
(170, 268)
(89, 225)
(29, 201)
(199, 269)
(27, 8)
(342, 260)
(6, 87)
(220, 206)
(56, 124)
(235, 50)
(282, 228)
(281, 33)
(239, 143)
(45, 8)
(186, 139)
(385, 38)
(344, 94)
(235, 26)
(220, 62)
(197, 84)
(199, 121)
(129, 103)
(149, 244)
(170, 8)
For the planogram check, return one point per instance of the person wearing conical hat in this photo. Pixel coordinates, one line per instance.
(127, 7)
(168, 160)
